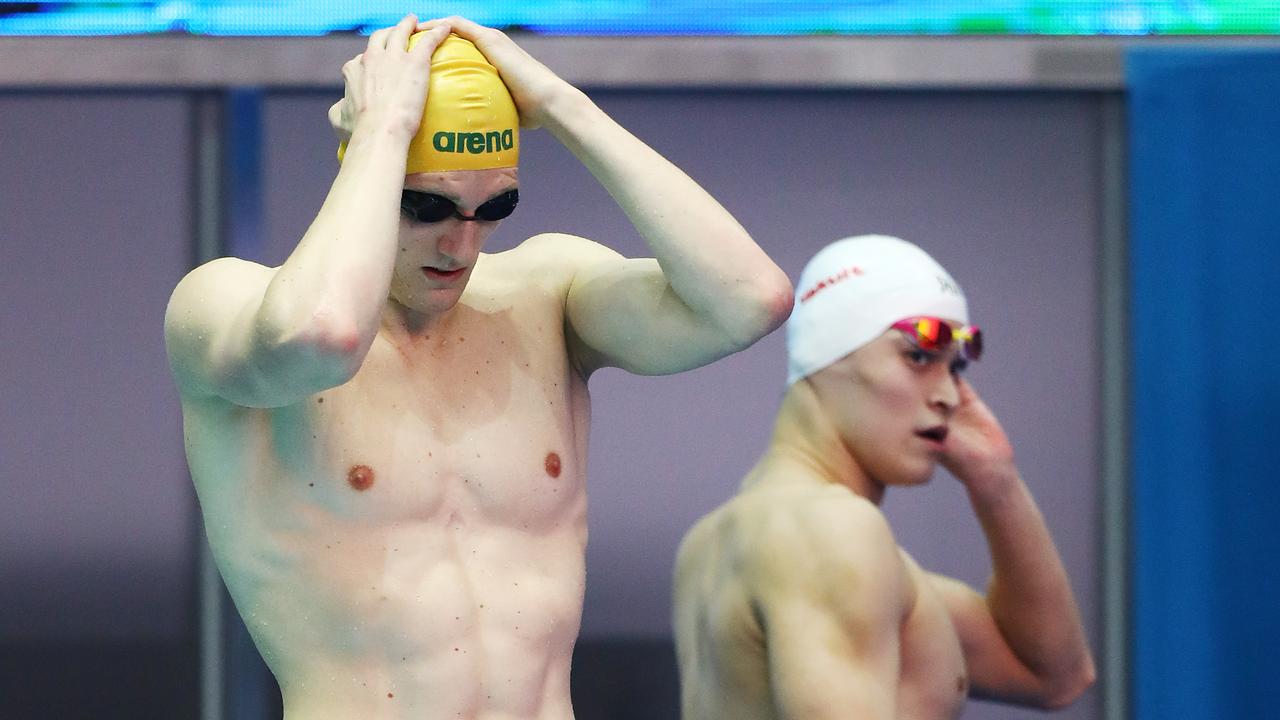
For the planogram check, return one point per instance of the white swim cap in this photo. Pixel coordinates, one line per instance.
(854, 289)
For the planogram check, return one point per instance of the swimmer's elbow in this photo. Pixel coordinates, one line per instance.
(1070, 686)
(325, 348)
(765, 306)
(779, 299)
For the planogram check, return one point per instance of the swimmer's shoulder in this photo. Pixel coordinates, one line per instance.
(220, 276)
(550, 257)
(564, 247)
(810, 536)
(215, 288)
(205, 304)
(543, 265)
(702, 543)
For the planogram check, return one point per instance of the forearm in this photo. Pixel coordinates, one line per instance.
(327, 298)
(1030, 596)
(711, 263)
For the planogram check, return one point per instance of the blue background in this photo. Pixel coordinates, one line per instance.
(1205, 171)
(657, 17)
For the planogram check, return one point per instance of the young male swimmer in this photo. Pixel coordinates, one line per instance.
(793, 600)
(388, 432)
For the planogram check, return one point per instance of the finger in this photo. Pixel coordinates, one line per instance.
(434, 22)
(378, 40)
(428, 43)
(350, 67)
(968, 396)
(472, 31)
(399, 37)
(494, 44)
(336, 122)
(338, 115)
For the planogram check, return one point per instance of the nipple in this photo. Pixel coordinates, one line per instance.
(360, 477)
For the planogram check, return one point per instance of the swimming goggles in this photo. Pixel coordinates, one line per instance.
(427, 207)
(934, 335)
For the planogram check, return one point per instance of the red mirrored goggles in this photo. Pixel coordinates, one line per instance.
(935, 336)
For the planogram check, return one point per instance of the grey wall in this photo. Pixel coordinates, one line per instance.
(1002, 188)
(95, 519)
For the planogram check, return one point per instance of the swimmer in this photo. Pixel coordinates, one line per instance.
(793, 599)
(388, 432)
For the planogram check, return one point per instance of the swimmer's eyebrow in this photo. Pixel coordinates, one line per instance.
(458, 201)
(425, 191)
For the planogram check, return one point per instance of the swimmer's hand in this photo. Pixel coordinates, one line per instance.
(977, 448)
(386, 85)
(533, 86)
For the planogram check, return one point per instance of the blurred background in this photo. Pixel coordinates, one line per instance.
(1101, 177)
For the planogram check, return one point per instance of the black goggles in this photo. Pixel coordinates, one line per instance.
(429, 208)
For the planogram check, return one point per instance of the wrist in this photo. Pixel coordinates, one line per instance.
(563, 111)
(370, 141)
(991, 482)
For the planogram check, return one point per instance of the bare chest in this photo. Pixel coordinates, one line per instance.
(486, 422)
(934, 682)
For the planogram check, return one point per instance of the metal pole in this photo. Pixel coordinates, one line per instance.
(1114, 286)
(234, 681)
(249, 688)
(206, 140)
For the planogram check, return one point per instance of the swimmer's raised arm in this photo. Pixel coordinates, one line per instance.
(710, 291)
(263, 337)
(1023, 641)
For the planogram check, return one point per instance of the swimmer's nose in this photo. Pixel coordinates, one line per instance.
(946, 395)
(461, 241)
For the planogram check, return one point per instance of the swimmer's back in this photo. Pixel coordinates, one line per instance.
(719, 638)
(754, 581)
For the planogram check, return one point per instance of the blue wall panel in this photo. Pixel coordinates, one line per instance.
(1205, 174)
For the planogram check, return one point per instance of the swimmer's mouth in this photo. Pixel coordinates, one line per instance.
(438, 274)
(937, 434)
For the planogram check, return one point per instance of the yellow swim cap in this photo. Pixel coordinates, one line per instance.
(470, 121)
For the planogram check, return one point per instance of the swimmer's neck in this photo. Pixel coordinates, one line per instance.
(806, 448)
(402, 323)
